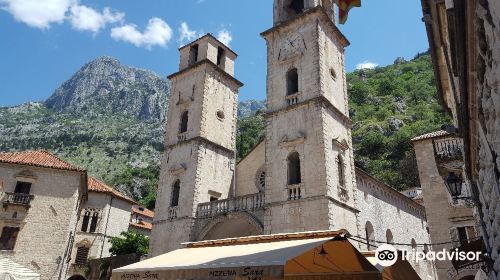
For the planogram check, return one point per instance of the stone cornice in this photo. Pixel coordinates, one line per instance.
(210, 64)
(317, 11)
(322, 99)
(205, 141)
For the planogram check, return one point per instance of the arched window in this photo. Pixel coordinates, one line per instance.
(183, 127)
(370, 236)
(389, 237)
(294, 169)
(297, 6)
(340, 170)
(175, 194)
(292, 81)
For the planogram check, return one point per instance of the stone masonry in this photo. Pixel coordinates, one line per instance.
(301, 177)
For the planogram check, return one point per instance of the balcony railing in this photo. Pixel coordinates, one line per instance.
(17, 199)
(172, 212)
(448, 149)
(182, 136)
(241, 203)
(292, 99)
(294, 192)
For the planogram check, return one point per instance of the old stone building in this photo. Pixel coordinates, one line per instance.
(41, 202)
(141, 220)
(301, 177)
(464, 39)
(54, 216)
(451, 223)
(105, 214)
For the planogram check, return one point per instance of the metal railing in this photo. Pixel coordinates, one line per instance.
(17, 198)
(240, 203)
(448, 148)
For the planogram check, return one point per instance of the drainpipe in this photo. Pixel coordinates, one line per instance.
(106, 227)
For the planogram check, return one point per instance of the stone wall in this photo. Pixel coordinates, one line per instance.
(46, 230)
(488, 94)
(248, 170)
(390, 213)
(442, 215)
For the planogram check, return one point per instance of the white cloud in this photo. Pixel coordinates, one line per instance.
(225, 37)
(157, 33)
(42, 13)
(87, 19)
(366, 65)
(37, 13)
(186, 35)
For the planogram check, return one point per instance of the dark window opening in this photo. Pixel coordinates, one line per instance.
(297, 6)
(220, 55)
(292, 78)
(462, 235)
(370, 236)
(23, 187)
(184, 122)
(82, 254)
(8, 238)
(340, 167)
(175, 194)
(85, 221)
(93, 222)
(193, 54)
(213, 198)
(294, 169)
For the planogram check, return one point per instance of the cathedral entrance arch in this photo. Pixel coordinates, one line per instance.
(236, 224)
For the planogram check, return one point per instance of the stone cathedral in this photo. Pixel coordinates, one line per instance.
(301, 177)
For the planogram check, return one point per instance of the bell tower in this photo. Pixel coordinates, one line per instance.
(309, 158)
(198, 162)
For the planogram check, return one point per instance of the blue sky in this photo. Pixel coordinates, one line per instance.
(42, 43)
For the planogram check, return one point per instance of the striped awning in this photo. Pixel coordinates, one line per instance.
(10, 270)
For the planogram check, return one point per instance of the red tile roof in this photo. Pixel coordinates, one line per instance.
(96, 185)
(39, 158)
(434, 134)
(144, 225)
(144, 212)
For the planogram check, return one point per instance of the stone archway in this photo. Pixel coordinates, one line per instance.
(231, 225)
(77, 277)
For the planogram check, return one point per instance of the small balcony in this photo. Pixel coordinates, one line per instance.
(448, 149)
(20, 199)
(182, 136)
(172, 212)
(249, 202)
(295, 192)
(448, 153)
(292, 99)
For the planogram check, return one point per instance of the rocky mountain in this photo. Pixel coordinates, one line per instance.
(249, 107)
(108, 118)
(106, 86)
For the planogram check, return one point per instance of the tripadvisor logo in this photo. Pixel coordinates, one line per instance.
(387, 255)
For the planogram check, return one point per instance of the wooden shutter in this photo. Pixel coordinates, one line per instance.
(82, 254)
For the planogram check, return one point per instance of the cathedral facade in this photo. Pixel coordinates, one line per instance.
(301, 177)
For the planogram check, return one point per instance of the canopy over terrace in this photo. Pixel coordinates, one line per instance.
(308, 255)
(402, 269)
(10, 270)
